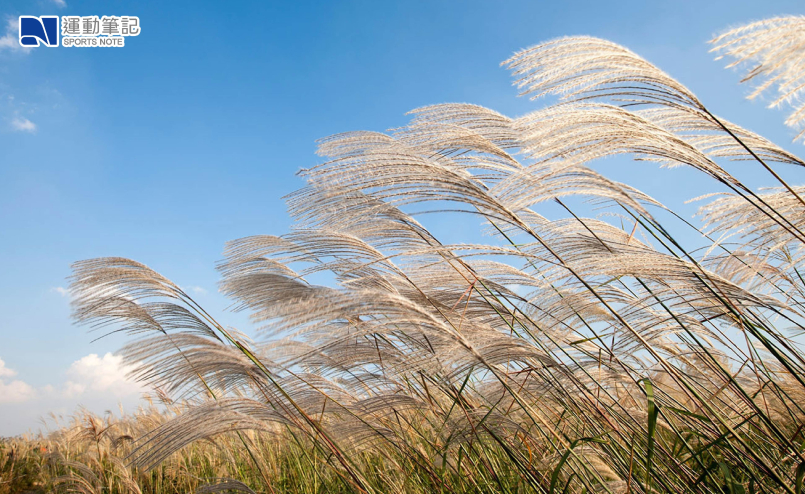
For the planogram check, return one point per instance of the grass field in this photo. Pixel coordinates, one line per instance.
(575, 354)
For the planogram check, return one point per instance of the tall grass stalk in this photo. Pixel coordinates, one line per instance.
(578, 354)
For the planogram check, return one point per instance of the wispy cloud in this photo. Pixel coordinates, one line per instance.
(61, 291)
(22, 124)
(199, 290)
(60, 3)
(11, 40)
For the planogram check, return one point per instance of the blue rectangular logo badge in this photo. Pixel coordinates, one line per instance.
(44, 29)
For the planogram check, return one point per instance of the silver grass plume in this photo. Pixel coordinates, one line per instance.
(775, 48)
(578, 350)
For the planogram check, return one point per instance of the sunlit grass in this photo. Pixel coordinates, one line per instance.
(569, 355)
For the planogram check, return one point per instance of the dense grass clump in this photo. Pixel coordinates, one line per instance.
(88, 455)
(557, 354)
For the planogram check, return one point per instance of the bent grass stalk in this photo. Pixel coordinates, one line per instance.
(563, 355)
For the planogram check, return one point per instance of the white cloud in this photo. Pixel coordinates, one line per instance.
(105, 375)
(90, 377)
(5, 371)
(61, 291)
(94, 382)
(199, 290)
(73, 389)
(16, 392)
(60, 3)
(22, 124)
(11, 40)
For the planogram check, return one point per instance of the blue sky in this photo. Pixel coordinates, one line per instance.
(190, 135)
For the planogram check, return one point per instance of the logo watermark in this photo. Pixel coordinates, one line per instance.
(78, 31)
(36, 30)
